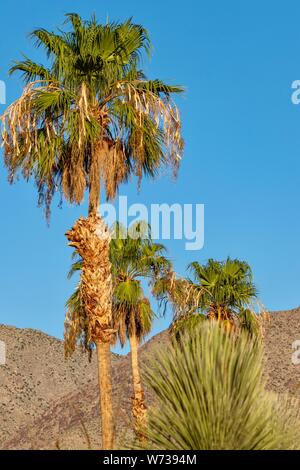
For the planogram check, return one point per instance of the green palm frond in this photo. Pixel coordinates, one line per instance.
(157, 87)
(75, 268)
(31, 71)
(55, 45)
(128, 292)
(146, 317)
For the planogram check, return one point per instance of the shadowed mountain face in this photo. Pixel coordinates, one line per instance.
(47, 402)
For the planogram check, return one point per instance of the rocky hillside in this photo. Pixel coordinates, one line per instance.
(47, 402)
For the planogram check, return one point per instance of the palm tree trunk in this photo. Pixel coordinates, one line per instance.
(139, 408)
(94, 186)
(103, 348)
(105, 393)
(91, 239)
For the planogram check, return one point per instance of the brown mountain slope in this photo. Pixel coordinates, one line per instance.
(47, 402)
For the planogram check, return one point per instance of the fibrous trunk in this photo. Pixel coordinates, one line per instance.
(139, 408)
(105, 385)
(91, 238)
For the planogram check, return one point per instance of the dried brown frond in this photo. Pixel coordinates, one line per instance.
(112, 164)
(165, 116)
(41, 145)
(183, 295)
(119, 314)
(77, 326)
(73, 177)
(20, 121)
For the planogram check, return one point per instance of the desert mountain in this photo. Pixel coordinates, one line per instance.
(47, 402)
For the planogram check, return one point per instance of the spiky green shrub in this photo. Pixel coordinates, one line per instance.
(212, 396)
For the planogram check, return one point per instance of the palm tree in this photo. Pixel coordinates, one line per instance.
(91, 114)
(218, 290)
(133, 259)
(227, 289)
(211, 395)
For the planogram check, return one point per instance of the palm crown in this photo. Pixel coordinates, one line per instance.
(226, 285)
(219, 290)
(90, 113)
(222, 291)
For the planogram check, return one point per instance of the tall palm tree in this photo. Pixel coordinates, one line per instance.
(134, 259)
(91, 114)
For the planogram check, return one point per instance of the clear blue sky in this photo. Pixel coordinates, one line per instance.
(237, 61)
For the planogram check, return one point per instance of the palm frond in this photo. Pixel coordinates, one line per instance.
(31, 71)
